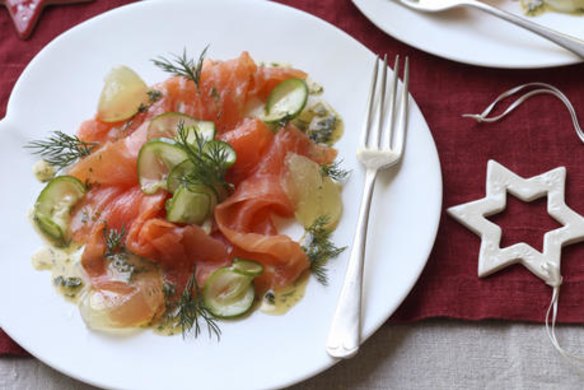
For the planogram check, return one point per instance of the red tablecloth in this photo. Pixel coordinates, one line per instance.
(537, 138)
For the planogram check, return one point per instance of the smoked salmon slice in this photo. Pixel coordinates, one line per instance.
(246, 221)
(246, 217)
(114, 163)
(174, 246)
(250, 140)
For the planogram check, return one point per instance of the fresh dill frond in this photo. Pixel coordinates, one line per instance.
(183, 65)
(334, 171)
(191, 311)
(209, 161)
(114, 240)
(319, 248)
(218, 156)
(61, 150)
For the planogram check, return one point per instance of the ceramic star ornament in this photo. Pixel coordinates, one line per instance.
(546, 264)
(492, 258)
(25, 13)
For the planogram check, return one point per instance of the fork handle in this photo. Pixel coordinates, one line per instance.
(568, 42)
(345, 333)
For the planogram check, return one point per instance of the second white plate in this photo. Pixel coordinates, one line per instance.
(474, 37)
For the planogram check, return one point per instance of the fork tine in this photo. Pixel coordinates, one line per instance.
(392, 101)
(370, 103)
(403, 112)
(375, 137)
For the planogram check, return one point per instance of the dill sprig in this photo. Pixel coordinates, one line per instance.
(191, 311)
(183, 65)
(114, 240)
(209, 160)
(334, 171)
(319, 248)
(61, 150)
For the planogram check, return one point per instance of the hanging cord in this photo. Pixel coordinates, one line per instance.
(551, 330)
(543, 88)
(554, 280)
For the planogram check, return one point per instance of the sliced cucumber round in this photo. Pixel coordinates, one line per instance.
(286, 100)
(220, 151)
(247, 267)
(166, 125)
(192, 205)
(52, 210)
(177, 175)
(187, 169)
(228, 294)
(156, 159)
(205, 130)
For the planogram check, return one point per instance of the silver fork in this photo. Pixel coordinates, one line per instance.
(568, 42)
(376, 152)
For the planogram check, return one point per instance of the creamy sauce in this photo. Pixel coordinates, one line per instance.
(280, 302)
(64, 265)
(320, 121)
(43, 171)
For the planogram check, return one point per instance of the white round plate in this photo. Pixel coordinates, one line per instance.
(474, 37)
(60, 88)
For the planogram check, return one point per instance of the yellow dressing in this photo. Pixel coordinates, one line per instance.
(280, 302)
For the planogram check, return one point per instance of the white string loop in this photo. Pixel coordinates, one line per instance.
(551, 329)
(543, 88)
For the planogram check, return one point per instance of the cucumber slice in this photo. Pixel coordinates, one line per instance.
(190, 205)
(204, 129)
(156, 159)
(165, 126)
(53, 206)
(247, 267)
(228, 294)
(175, 177)
(286, 100)
(220, 151)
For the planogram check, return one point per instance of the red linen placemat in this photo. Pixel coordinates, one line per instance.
(538, 137)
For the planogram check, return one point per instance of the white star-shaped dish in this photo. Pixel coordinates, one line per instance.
(492, 257)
